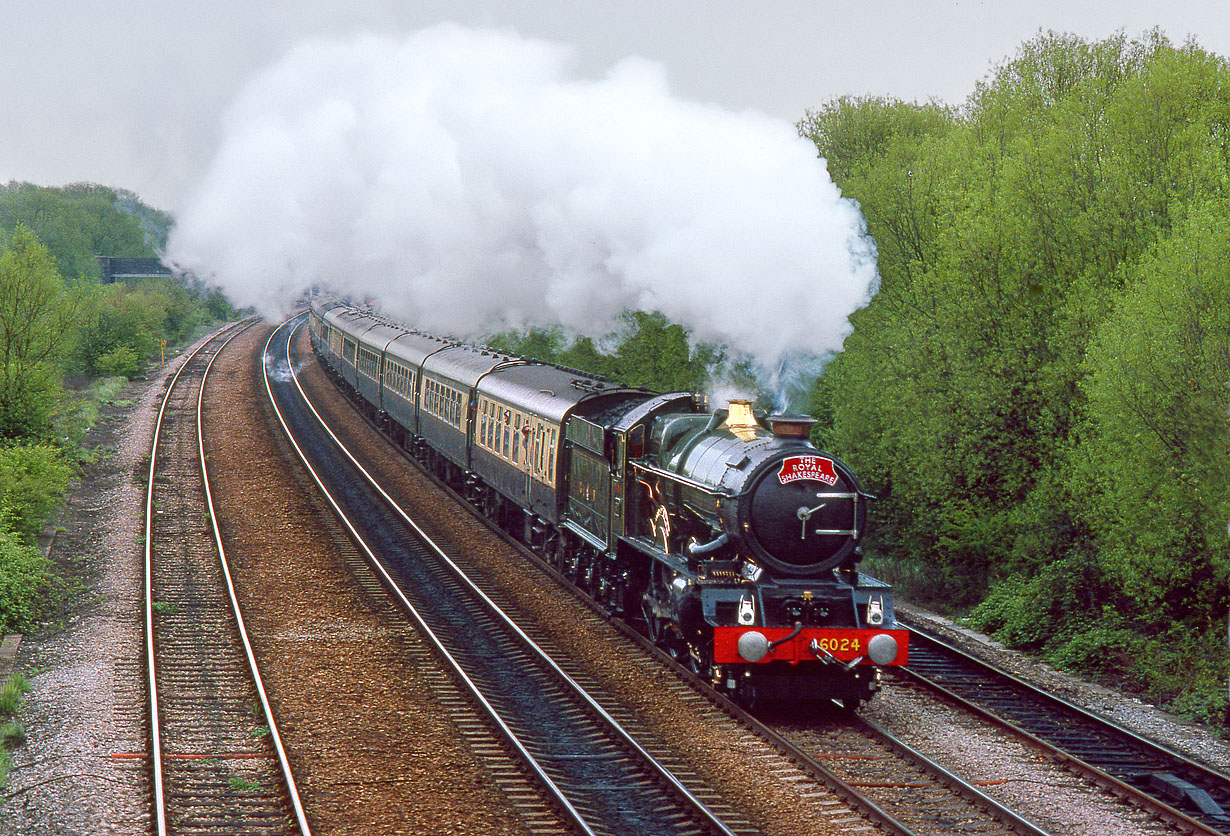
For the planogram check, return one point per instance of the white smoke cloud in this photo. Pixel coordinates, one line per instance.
(470, 182)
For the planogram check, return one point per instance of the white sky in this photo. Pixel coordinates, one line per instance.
(129, 93)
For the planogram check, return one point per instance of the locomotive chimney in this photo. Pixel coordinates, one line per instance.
(740, 416)
(791, 426)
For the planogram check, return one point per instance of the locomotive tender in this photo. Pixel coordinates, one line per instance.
(730, 540)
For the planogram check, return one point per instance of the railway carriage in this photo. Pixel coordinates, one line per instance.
(446, 394)
(345, 328)
(369, 361)
(729, 539)
(521, 411)
(399, 391)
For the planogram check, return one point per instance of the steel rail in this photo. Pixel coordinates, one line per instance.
(155, 733)
(538, 770)
(253, 668)
(964, 788)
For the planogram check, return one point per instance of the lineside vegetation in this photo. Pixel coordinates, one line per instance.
(1040, 392)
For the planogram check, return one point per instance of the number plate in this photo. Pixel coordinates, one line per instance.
(844, 644)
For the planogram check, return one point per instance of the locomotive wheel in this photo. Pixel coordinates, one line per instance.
(654, 627)
(700, 660)
(677, 649)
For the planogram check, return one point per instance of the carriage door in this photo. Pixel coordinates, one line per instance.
(538, 460)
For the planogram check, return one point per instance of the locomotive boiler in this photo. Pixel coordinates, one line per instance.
(726, 536)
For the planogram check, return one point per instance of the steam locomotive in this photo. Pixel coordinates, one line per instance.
(727, 538)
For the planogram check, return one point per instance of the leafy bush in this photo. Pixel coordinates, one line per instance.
(121, 361)
(33, 482)
(25, 583)
(1181, 667)
(1106, 649)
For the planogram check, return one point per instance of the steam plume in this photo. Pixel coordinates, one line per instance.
(470, 182)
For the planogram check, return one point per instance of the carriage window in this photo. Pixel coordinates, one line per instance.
(398, 384)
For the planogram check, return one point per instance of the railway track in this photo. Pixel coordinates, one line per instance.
(216, 757)
(593, 771)
(1190, 796)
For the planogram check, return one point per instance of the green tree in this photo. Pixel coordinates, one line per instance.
(887, 154)
(656, 354)
(36, 318)
(77, 223)
(960, 392)
(1154, 462)
(1038, 393)
(649, 351)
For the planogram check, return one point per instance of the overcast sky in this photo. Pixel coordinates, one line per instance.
(129, 93)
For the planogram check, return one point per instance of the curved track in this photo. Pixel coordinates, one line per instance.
(217, 759)
(603, 780)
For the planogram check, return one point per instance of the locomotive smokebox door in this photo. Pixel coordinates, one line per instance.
(807, 514)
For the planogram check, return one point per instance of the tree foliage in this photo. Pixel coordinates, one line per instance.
(648, 351)
(80, 222)
(1039, 392)
(36, 318)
